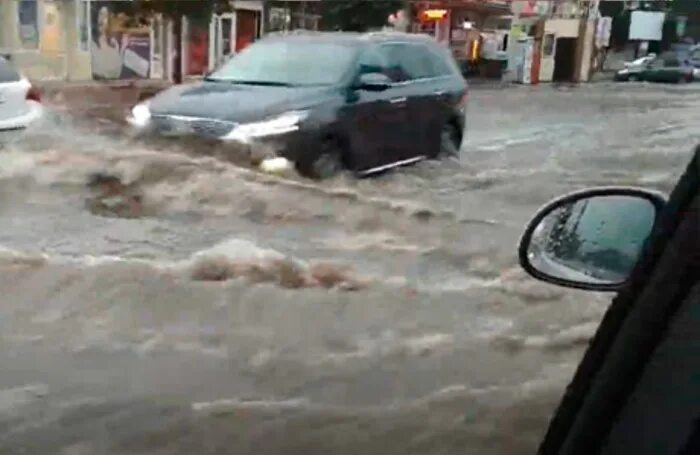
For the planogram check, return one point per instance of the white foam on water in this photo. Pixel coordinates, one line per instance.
(235, 404)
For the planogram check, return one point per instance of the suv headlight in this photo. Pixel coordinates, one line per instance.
(281, 124)
(140, 115)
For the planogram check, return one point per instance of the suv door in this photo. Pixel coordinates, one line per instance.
(437, 91)
(377, 121)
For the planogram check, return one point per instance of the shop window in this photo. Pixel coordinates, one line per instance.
(280, 19)
(28, 23)
(548, 45)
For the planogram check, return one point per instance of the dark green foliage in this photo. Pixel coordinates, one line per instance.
(179, 8)
(357, 15)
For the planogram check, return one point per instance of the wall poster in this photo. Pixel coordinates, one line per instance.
(121, 42)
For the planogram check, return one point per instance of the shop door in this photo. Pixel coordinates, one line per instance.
(225, 33)
(246, 28)
(549, 50)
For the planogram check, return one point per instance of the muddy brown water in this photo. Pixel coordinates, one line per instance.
(237, 312)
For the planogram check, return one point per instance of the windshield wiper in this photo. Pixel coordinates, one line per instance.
(251, 82)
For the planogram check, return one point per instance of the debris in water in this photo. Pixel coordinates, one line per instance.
(282, 272)
(113, 198)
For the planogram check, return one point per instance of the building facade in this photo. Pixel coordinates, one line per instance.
(43, 38)
(111, 40)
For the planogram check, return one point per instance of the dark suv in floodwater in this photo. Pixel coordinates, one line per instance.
(325, 101)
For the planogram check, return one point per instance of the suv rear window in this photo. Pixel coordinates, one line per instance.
(7, 72)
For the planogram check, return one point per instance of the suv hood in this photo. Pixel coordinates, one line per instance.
(236, 102)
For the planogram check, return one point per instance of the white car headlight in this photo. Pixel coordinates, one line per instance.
(285, 123)
(140, 115)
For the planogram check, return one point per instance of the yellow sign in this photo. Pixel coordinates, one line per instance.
(435, 14)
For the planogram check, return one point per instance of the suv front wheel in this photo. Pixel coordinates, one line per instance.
(326, 164)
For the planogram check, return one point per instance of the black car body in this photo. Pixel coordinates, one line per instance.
(372, 101)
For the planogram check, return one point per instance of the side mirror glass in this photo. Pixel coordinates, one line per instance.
(374, 82)
(590, 239)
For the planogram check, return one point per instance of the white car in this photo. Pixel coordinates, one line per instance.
(641, 61)
(20, 102)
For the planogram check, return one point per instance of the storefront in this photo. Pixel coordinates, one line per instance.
(465, 26)
(33, 34)
(112, 40)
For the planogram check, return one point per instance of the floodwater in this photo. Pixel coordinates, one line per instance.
(231, 312)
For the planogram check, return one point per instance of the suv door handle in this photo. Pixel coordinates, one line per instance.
(439, 92)
(398, 100)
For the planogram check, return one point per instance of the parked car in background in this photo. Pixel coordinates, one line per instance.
(325, 101)
(665, 68)
(20, 102)
(640, 61)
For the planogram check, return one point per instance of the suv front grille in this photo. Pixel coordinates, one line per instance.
(211, 128)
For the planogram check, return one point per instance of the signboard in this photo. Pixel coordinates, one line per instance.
(647, 25)
(429, 15)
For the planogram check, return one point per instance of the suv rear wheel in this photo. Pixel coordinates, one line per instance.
(450, 141)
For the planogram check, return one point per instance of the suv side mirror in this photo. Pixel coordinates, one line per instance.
(590, 239)
(373, 82)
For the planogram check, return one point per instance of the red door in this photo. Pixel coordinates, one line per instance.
(246, 28)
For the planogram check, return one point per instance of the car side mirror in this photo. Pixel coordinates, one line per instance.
(373, 82)
(590, 239)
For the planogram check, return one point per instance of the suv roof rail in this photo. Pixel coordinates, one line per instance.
(397, 34)
(296, 31)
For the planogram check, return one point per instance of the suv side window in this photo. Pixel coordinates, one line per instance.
(441, 66)
(371, 61)
(396, 56)
(411, 61)
(7, 73)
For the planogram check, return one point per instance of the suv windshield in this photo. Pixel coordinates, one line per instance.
(291, 62)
